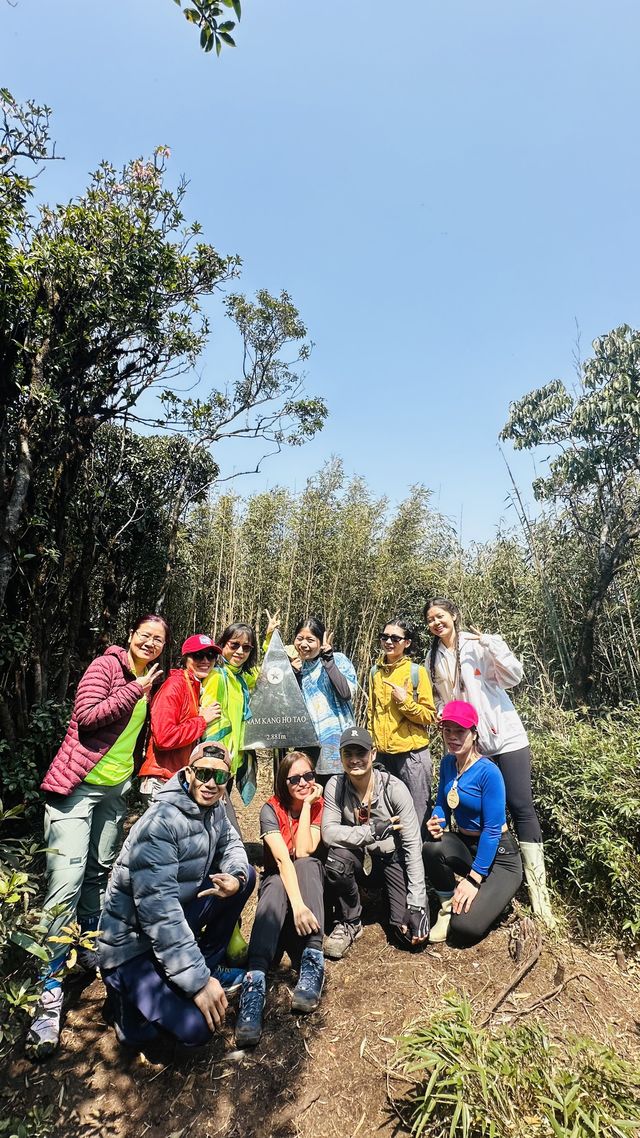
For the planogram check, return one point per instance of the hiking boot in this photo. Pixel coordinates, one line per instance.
(252, 997)
(341, 939)
(44, 1033)
(230, 978)
(306, 996)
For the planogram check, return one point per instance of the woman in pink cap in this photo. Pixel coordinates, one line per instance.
(177, 720)
(482, 852)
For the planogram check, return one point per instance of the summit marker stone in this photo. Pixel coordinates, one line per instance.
(279, 716)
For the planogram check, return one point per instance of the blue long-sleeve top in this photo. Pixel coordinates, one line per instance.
(482, 806)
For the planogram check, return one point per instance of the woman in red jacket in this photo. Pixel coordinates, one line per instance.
(85, 808)
(177, 720)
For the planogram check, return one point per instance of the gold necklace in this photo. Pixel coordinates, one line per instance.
(453, 798)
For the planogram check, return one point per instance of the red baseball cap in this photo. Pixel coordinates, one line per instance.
(457, 711)
(198, 643)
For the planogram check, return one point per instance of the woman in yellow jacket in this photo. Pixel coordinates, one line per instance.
(401, 708)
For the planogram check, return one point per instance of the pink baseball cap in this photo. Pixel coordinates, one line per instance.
(198, 643)
(457, 711)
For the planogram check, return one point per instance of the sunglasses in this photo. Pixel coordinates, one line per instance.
(394, 639)
(363, 815)
(236, 646)
(308, 776)
(205, 774)
(205, 654)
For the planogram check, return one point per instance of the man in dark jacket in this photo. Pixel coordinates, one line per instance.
(371, 829)
(164, 928)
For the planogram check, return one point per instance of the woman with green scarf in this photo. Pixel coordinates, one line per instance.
(230, 685)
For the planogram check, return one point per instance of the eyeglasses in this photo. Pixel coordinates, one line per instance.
(308, 776)
(236, 646)
(205, 774)
(394, 639)
(157, 641)
(205, 654)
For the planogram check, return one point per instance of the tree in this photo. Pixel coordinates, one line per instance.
(101, 299)
(595, 477)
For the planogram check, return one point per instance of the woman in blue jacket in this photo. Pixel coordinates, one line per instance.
(482, 852)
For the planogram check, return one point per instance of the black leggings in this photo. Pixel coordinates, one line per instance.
(345, 872)
(273, 927)
(454, 854)
(515, 768)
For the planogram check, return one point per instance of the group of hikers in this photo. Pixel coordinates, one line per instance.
(160, 915)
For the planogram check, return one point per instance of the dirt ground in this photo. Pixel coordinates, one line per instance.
(323, 1075)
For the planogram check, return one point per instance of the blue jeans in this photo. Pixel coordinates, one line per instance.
(144, 998)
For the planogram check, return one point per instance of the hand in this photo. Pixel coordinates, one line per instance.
(416, 926)
(305, 922)
(148, 679)
(435, 826)
(474, 633)
(385, 826)
(316, 793)
(464, 896)
(222, 885)
(212, 1002)
(210, 711)
(327, 643)
(274, 621)
(399, 694)
(296, 663)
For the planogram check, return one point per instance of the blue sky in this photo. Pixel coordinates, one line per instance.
(444, 189)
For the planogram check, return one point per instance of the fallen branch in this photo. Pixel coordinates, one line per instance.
(513, 983)
(550, 995)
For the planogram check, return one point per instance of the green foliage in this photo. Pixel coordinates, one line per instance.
(24, 762)
(587, 790)
(515, 1084)
(206, 15)
(593, 479)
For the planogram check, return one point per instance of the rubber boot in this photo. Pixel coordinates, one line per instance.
(251, 1009)
(237, 949)
(439, 931)
(535, 876)
(306, 996)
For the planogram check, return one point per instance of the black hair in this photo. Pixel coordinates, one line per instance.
(454, 613)
(313, 624)
(283, 794)
(410, 632)
(155, 617)
(240, 629)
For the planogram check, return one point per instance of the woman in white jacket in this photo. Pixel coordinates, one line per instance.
(478, 668)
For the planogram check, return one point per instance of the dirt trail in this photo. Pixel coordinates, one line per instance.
(323, 1075)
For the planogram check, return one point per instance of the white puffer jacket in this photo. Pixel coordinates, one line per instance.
(488, 666)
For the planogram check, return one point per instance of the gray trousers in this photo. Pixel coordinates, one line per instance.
(83, 833)
(273, 926)
(415, 770)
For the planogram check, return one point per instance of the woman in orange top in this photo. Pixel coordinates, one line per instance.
(177, 720)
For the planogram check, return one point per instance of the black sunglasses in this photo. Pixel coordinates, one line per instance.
(308, 776)
(205, 654)
(392, 637)
(205, 774)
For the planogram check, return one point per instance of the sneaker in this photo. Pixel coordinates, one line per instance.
(341, 939)
(44, 1034)
(250, 1011)
(230, 978)
(306, 996)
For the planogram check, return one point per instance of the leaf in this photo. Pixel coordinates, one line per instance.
(30, 945)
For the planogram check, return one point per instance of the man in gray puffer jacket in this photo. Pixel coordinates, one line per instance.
(164, 931)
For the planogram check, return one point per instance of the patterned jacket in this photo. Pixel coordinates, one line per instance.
(104, 703)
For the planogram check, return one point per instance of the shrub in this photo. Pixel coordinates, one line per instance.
(587, 791)
(517, 1084)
